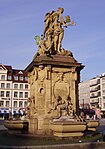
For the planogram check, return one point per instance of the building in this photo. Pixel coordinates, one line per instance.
(92, 93)
(95, 95)
(102, 92)
(84, 95)
(14, 90)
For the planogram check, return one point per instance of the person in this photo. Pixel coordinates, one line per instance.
(87, 117)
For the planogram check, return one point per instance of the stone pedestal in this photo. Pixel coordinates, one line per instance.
(92, 125)
(68, 128)
(33, 125)
(39, 126)
(53, 89)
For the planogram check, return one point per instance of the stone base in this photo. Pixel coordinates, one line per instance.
(71, 134)
(39, 126)
(68, 129)
(18, 125)
(33, 125)
(92, 125)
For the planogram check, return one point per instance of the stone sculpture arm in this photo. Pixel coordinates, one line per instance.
(62, 20)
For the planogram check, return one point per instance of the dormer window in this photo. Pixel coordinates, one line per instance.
(9, 77)
(20, 72)
(21, 78)
(26, 78)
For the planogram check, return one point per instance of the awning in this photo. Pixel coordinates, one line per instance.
(4, 111)
(15, 112)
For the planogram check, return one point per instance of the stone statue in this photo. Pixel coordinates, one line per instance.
(51, 40)
(63, 106)
(31, 110)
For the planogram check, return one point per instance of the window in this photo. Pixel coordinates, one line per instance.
(25, 104)
(2, 77)
(26, 94)
(9, 77)
(7, 104)
(2, 85)
(103, 91)
(21, 95)
(103, 105)
(15, 104)
(20, 104)
(7, 93)
(99, 93)
(21, 78)
(26, 78)
(21, 86)
(1, 103)
(15, 94)
(103, 79)
(15, 77)
(8, 85)
(26, 86)
(16, 86)
(2, 93)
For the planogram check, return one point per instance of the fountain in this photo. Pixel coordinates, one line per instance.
(54, 75)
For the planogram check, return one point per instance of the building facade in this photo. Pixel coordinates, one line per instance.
(95, 95)
(102, 92)
(92, 93)
(14, 90)
(84, 95)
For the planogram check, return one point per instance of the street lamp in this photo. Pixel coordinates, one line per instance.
(83, 103)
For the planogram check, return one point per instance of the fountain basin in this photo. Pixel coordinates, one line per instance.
(68, 128)
(92, 124)
(16, 124)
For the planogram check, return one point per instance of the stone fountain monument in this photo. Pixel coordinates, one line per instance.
(54, 75)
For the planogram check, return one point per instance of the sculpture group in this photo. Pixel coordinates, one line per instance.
(51, 39)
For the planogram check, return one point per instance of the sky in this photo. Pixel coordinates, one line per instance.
(22, 20)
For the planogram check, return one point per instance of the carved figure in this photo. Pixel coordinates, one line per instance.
(69, 106)
(63, 105)
(53, 33)
(31, 110)
(42, 44)
(58, 33)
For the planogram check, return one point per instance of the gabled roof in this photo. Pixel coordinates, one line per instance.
(8, 67)
(14, 72)
(2, 67)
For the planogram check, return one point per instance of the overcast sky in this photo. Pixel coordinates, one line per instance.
(21, 20)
